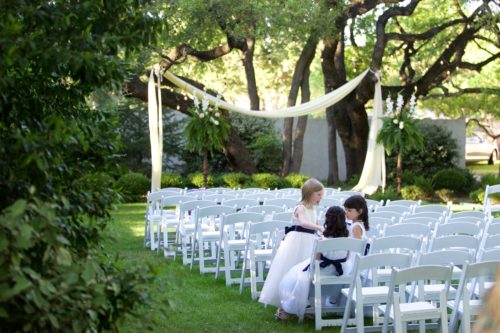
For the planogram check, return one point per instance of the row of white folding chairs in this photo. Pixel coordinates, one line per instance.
(430, 297)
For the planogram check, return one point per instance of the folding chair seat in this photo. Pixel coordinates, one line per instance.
(370, 295)
(152, 219)
(401, 309)
(261, 243)
(468, 303)
(287, 204)
(206, 235)
(431, 208)
(240, 203)
(187, 225)
(232, 241)
(320, 279)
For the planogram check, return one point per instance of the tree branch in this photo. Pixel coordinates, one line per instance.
(492, 91)
(485, 128)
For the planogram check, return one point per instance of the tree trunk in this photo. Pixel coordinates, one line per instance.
(205, 168)
(399, 171)
(300, 74)
(300, 131)
(253, 93)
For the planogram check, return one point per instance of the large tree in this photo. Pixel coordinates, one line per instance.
(418, 45)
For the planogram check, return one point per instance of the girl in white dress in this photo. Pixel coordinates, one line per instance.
(297, 244)
(356, 211)
(295, 285)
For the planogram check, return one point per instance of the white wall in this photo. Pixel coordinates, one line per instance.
(315, 159)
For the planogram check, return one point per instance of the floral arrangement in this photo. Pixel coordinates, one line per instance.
(207, 129)
(400, 131)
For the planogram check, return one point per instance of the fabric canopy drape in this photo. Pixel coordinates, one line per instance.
(373, 174)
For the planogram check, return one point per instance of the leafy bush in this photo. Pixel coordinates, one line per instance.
(457, 180)
(445, 194)
(172, 180)
(196, 180)
(412, 192)
(266, 180)
(440, 153)
(390, 193)
(133, 186)
(478, 194)
(425, 185)
(296, 179)
(235, 179)
(266, 151)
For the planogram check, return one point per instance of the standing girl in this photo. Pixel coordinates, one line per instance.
(297, 244)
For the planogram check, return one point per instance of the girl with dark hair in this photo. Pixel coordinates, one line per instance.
(356, 211)
(294, 287)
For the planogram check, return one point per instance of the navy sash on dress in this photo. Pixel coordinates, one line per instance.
(337, 263)
(298, 228)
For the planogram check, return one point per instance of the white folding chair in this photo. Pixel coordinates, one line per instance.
(373, 204)
(489, 205)
(489, 255)
(283, 216)
(240, 203)
(267, 210)
(431, 208)
(468, 213)
(151, 219)
(402, 210)
(468, 303)
(407, 203)
(465, 243)
(433, 215)
(186, 226)
(488, 242)
(387, 214)
(320, 280)
(396, 244)
(287, 204)
(401, 309)
(232, 241)
(493, 229)
(260, 247)
(370, 295)
(218, 197)
(330, 201)
(261, 196)
(169, 223)
(421, 231)
(206, 235)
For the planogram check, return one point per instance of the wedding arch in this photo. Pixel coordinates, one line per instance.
(373, 174)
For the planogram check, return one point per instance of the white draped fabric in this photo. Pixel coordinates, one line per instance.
(373, 174)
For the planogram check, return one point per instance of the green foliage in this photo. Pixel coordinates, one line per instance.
(445, 194)
(133, 186)
(390, 193)
(172, 180)
(487, 179)
(413, 192)
(425, 185)
(454, 179)
(235, 179)
(196, 180)
(296, 179)
(56, 149)
(266, 151)
(266, 180)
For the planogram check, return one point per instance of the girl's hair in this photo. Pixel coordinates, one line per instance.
(310, 186)
(335, 225)
(359, 203)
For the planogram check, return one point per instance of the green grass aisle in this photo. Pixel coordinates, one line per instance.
(184, 300)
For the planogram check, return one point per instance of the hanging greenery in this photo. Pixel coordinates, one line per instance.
(400, 132)
(206, 131)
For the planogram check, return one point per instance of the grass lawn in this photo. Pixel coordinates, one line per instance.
(482, 168)
(184, 300)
